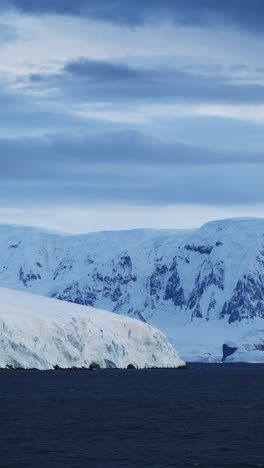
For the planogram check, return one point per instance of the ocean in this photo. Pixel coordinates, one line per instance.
(209, 415)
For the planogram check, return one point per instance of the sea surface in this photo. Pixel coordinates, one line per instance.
(205, 416)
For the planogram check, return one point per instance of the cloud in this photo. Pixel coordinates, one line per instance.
(29, 114)
(127, 167)
(49, 41)
(210, 131)
(102, 71)
(94, 80)
(109, 103)
(245, 14)
(7, 33)
(100, 147)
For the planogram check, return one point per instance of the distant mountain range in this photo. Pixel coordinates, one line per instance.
(211, 278)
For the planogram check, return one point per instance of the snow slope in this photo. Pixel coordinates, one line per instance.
(209, 281)
(39, 332)
(249, 348)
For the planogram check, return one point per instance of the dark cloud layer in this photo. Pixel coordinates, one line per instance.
(126, 166)
(29, 114)
(243, 13)
(99, 70)
(90, 80)
(126, 147)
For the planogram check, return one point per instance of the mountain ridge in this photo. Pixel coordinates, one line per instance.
(212, 274)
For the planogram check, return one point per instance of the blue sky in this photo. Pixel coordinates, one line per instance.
(119, 114)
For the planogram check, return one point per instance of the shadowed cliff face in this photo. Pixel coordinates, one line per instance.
(246, 301)
(214, 272)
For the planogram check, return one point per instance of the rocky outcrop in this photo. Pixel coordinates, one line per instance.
(228, 350)
(247, 300)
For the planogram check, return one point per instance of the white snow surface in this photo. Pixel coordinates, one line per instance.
(39, 332)
(203, 342)
(245, 355)
(250, 348)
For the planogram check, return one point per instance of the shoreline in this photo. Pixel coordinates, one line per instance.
(88, 369)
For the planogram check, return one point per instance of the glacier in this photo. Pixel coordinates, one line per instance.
(43, 333)
(201, 287)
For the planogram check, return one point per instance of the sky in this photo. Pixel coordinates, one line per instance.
(121, 114)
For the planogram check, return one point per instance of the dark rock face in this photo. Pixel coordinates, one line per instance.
(156, 280)
(56, 367)
(59, 270)
(209, 275)
(202, 249)
(197, 312)
(126, 262)
(174, 290)
(164, 283)
(260, 347)
(131, 366)
(211, 306)
(116, 294)
(228, 351)
(260, 257)
(247, 301)
(139, 315)
(27, 278)
(94, 366)
(77, 295)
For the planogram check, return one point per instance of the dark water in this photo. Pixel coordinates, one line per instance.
(207, 416)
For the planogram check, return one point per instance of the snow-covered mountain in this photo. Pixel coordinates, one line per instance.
(42, 333)
(249, 347)
(210, 278)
